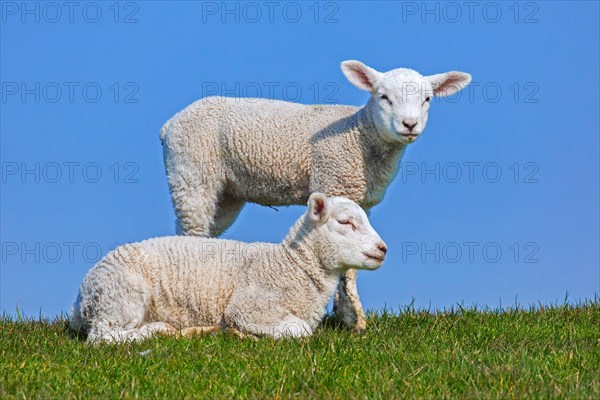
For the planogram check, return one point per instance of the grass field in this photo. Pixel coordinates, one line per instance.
(544, 353)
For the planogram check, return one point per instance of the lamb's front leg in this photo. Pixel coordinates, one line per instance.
(205, 330)
(288, 327)
(346, 303)
(260, 313)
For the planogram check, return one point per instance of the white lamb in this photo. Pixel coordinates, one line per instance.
(203, 285)
(223, 152)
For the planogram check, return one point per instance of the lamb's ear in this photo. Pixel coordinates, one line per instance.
(361, 76)
(318, 208)
(449, 83)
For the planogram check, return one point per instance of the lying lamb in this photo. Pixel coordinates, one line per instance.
(222, 152)
(197, 285)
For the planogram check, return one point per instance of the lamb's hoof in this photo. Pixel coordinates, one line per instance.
(360, 327)
(353, 324)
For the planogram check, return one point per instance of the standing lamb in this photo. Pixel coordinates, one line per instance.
(202, 285)
(222, 152)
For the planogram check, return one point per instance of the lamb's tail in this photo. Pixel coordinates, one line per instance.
(166, 128)
(163, 132)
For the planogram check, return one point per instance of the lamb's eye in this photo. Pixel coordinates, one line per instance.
(346, 222)
(427, 99)
(384, 97)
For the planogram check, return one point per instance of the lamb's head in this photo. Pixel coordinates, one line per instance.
(400, 100)
(342, 234)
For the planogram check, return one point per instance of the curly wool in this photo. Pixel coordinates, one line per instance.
(261, 288)
(222, 152)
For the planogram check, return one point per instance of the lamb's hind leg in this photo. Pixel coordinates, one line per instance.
(346, 304)
(112, 298)
(195, 206)
(118, 334)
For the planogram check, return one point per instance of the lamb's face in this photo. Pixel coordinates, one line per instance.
(346, 238)
(401, 97)
(400, 105)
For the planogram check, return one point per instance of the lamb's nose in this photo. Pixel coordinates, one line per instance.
(409, 124)
(382, 247)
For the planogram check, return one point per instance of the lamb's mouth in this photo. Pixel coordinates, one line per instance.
(372, 257)
(409, 136)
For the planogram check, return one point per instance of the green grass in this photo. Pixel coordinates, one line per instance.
(465, 353)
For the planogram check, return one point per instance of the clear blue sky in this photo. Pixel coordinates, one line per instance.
(457, 231)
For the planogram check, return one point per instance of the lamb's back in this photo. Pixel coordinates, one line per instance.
(260, 148)
(267, 145)
(191, 278)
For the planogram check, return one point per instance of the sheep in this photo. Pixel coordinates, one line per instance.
(222, 152)
(200, 285)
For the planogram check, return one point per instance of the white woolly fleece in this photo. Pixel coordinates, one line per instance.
(170, 283)
(223, 152)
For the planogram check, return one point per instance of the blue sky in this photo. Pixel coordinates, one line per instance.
(497, 201)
